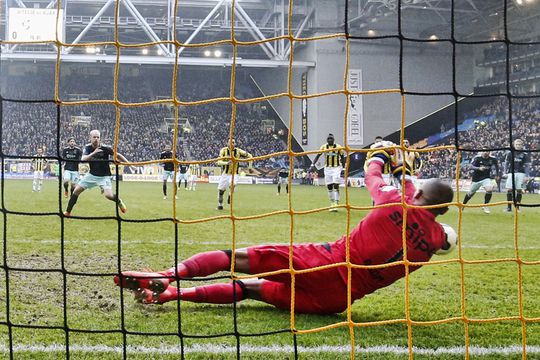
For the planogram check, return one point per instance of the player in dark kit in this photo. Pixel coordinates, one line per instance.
(283, 178)
(481, 177)
(72, 155)
(376, 240)
(518, 174)
(168, 170)
(99, 174)
(183, 175)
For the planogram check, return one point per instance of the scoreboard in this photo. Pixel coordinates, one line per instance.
(28, 24)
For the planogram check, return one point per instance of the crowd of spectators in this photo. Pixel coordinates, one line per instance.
(143, 131)
(491, 133)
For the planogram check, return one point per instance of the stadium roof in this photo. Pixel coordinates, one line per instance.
(201, 21)
(474, 20)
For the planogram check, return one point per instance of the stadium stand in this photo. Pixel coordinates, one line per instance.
(144, 131)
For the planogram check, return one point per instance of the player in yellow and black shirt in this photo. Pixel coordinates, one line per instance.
(39, 163)
(411, 158)
(194, 170)
(228, 169)
(334, 160)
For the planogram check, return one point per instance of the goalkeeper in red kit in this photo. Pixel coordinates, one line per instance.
(376, 240)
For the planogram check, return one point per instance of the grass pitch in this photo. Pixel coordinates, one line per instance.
(57, 282)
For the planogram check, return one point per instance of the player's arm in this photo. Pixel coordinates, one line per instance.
(379, 190)
(342, 158)
(317, 157)
(497, 169)
(162, 157)
(89, 156)
(475, 164)
(122, 157)
(244, 154)
(62, 163)
(527, 167)
(419, 162)
(507, 163)
(79, 154)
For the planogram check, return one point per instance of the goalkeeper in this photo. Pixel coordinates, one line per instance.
(376, 240)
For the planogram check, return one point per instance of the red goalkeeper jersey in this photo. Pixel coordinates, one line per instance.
(378, 237)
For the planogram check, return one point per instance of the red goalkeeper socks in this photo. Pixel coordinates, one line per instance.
(202, 264)
(211, 294)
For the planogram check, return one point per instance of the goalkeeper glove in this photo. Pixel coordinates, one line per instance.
(378, 153)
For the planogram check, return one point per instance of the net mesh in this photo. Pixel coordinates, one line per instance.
(349, 323)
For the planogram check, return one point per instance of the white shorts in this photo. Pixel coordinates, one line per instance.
(89, 181)
(518, 179)
(167, 174)
(486, 184)
(283, 181)
(193, 178)
(225, 181)
(180, 177)
(70, 175)
(332, 175)
(38, 175)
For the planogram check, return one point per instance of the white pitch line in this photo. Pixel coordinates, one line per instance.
(286, 349)
(224, 242)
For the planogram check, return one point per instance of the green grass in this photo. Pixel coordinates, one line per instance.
(91, 255)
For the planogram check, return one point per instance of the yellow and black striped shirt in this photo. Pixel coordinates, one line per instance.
(411, 157)
(195, 169)
(332, 158)
(39, 163)
(230, 168)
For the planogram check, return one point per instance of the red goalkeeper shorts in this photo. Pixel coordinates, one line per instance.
(318, 291)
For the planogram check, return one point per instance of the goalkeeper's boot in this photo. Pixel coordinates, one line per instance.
(146, 296)
(122, 206)
(67, 214)
(136, 280)
(66, 194)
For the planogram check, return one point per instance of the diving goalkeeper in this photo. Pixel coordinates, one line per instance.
(376, 240)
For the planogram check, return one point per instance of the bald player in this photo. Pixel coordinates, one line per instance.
(98, 157)
(376, 240)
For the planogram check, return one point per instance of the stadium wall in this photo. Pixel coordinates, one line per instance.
(379, 62)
